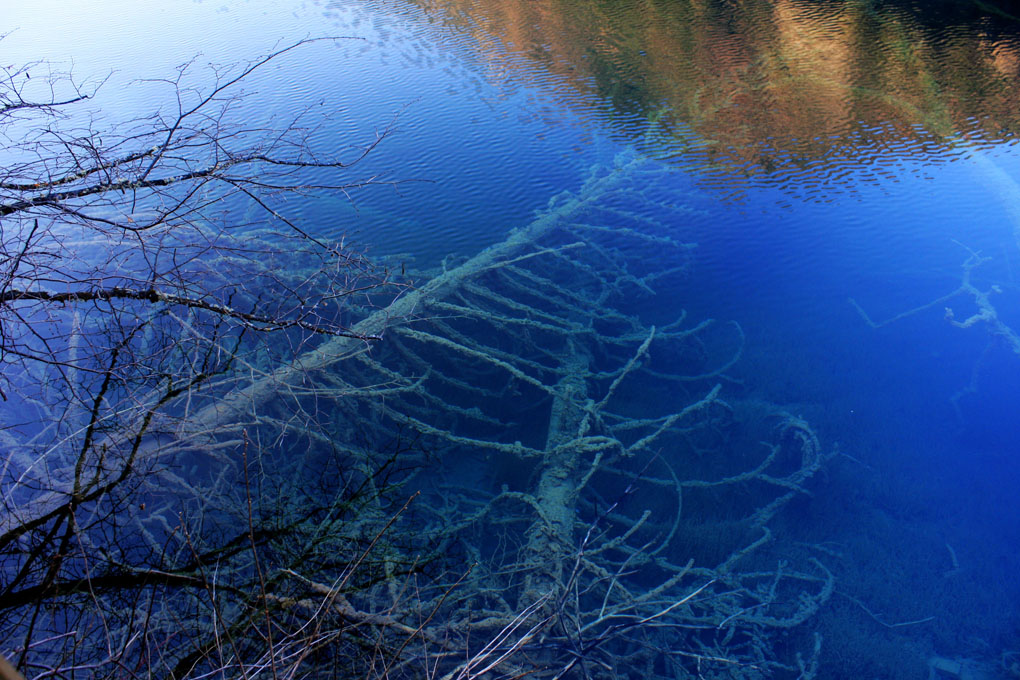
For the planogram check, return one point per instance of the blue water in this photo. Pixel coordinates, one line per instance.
(922, 507)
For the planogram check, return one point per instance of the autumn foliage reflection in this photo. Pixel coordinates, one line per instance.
(766, 87)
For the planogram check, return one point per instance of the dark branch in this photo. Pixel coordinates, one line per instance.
(152, 295)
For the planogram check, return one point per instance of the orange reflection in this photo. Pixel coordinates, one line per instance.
(766, 86)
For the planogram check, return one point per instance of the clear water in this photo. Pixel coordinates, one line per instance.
(830, 151)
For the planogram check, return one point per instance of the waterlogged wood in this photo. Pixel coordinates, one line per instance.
(562, 207)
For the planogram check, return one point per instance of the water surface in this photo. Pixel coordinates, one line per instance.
(820, 152)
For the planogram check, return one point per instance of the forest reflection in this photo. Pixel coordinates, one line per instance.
(767, 90)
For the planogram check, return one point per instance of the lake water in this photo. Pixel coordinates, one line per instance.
(834, 162)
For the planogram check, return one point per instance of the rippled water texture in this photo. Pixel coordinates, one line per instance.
(846, 169)
(796, 94)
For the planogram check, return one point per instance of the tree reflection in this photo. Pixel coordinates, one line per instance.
(766, 89)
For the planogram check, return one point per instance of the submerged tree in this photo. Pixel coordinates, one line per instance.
(603, 509)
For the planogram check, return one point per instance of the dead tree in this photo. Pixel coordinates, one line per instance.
(144, 266)
(602, 507)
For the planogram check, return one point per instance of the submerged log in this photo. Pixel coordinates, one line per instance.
(415, 302)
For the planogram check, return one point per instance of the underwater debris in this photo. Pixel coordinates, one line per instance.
(578, 453)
